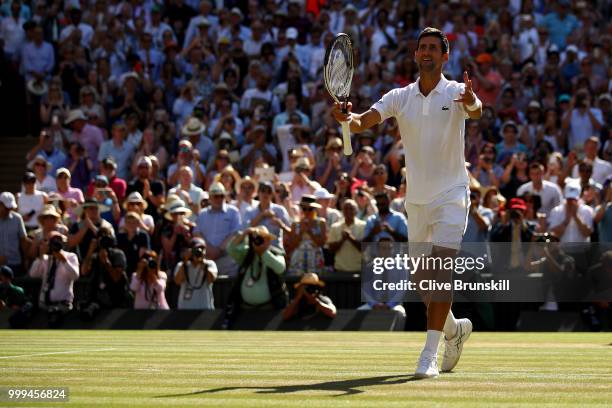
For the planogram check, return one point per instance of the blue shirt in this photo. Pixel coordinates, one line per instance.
(38, 59)
(559, 29)
(57, 158)
(396, 221)
(472, 232)
(605, 225)
(216, 225)
(279, 211)
(122, 155)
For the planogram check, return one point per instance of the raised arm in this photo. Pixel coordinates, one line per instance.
(359, 121)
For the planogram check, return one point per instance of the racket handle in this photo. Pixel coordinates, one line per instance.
(346, 138)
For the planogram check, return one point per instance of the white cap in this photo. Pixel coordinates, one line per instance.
(323, 194)
(144, 160)
(572, 48)
(572, 191)
(292, 33)
(8, 199)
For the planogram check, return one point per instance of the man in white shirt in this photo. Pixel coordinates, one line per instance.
(76, 24)
(550, 193)
(602, 169)
(431, 117)
(572, 221)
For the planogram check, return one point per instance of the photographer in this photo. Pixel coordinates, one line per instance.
(195, 276)
(309, 300)
(58, 269)
(149, 283)
(108, 285)
(259, 283)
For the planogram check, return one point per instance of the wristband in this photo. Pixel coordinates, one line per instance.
(477, 104)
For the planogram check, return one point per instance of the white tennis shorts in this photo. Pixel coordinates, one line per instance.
(441, 222)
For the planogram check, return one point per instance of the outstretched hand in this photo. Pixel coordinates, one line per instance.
(467, 97)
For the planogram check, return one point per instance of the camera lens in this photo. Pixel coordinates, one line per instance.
(257, 240)
(198, 252)
(152, 263)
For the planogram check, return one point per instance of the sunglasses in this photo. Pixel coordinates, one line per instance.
(40, 165)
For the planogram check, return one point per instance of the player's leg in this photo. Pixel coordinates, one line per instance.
(447, 233)
(419, 235)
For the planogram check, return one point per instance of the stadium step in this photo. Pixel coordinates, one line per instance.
(12, 161)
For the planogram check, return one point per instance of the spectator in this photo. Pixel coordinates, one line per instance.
(560, 23)
(386, 223)
(515, 174)
(13, 238)
(41, 167)
(301, 183)
(603, 216)
(47, 149)
(245, 200)
(309, 300)
(105, 265)
(176, 234)
(487, 171)
(487, 81)
(149, 283)
(306, 240)
(602, 169)
(58, 270)
(49, 220)
(83, 232)
(480, 219)
(510, 144)
(187, 156)
(189, 192)
(259, 284)
(89, 136)
(572, 220)
(13, 298)
(31, 201)
(549, 193)
(581, 121)
(72, 197)
(133, 239)
(345, 238)
(269, 214)
(256, 149)
(135, 203)
(150, 188)
(328, 170)
(195, 276)
(194, 130)
(217, 224)
(80, 166)
(119, 150)
(108, 169)
(149, 145)
(110, 210)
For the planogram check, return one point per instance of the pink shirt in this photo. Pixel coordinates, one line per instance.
(144, 295)
(91, 137)
(77, 195)
(65, 275)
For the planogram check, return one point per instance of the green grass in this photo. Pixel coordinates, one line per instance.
(305, 369)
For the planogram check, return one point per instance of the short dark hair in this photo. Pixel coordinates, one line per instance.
(434, 32)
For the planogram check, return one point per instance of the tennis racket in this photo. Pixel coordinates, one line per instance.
(337, 75)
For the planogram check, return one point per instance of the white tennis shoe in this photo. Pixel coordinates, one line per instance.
(453, 347)
(427, 366)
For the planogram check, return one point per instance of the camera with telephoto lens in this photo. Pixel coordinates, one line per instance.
(55, 245)
(197, 252)
(151, 263)
(311, 289)
(106, 242)
(256, 240)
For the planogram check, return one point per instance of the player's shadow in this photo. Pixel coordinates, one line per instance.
(344, 387)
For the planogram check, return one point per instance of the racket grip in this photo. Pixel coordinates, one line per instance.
(346, 138)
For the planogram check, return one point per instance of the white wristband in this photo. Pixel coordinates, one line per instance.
(476, 105)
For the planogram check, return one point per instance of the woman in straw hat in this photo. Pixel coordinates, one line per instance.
(41, 167)
(177, 233)
(230, 179)
(306, 239)
(134, 202)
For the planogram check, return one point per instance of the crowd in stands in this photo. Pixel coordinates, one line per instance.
(181, 140)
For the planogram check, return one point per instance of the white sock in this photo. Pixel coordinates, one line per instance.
(450, 325)
(432, 342)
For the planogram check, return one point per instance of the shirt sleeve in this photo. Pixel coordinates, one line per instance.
(276, 262)
(556, 217)
(389, 105)
(334, 234)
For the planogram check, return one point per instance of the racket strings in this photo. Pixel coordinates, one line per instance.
(339, 70)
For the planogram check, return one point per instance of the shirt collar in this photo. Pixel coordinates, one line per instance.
(438, 89)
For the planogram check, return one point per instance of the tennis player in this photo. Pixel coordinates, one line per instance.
(431, 116)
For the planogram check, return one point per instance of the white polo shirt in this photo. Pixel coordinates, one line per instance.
(432, 128)
(550, 194)
(572, 232)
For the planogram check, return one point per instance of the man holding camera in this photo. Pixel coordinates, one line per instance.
(195, 276)
(309, 300)
(108, 286)
(58, 269)
(83, 232)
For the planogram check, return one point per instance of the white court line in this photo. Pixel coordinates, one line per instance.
(57, 352)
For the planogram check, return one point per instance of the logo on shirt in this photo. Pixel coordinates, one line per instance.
(445, 108)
